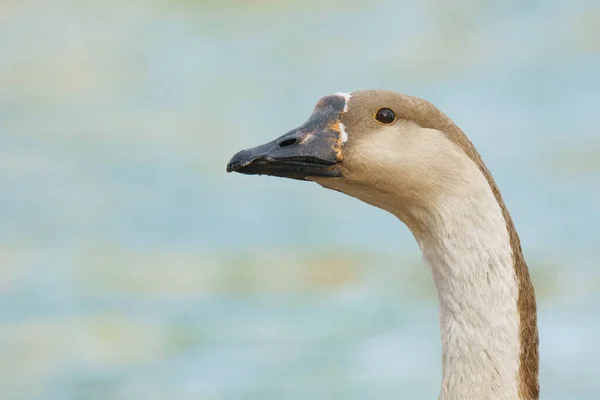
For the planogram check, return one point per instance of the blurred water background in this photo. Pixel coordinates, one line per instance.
(134, 267)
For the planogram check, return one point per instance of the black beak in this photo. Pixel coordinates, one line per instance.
(312, 150)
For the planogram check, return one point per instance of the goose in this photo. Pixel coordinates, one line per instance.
(403, 155)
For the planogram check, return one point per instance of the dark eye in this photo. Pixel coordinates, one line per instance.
(385, 116)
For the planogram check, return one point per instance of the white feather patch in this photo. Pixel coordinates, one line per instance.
(346, 96)
(343, 133)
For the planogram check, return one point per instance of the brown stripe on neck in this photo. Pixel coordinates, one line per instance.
(529, 388)
(427, 115)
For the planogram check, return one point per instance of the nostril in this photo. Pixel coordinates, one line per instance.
(287, 142)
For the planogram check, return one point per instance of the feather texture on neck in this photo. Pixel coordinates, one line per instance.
(468, 249)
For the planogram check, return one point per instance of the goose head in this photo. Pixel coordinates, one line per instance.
(393, 151)
(403, 155)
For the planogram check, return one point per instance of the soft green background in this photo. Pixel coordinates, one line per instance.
(133, 267)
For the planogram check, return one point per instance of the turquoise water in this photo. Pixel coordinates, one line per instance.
(134, 267)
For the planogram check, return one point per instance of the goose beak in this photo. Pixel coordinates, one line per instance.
(312, 150)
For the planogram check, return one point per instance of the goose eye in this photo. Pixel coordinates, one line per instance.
(385, 116)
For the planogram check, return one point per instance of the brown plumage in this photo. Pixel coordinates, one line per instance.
(426, 115)
(423, 169)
